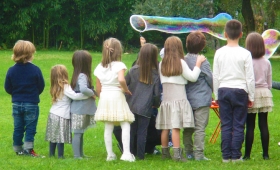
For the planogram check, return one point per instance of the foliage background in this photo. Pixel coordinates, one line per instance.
(84, 24)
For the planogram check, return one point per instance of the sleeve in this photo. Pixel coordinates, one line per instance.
(216, 75)
(8, 85)
(188, 73)
(157, 93)
(276, 85)
(41, 82)
(83, 84)
(206, 70)
(69, 92)
(269, 76)
(96, 71)
(250, 78)
(120, 66)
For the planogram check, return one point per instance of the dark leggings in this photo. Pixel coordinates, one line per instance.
(250, 126)
(60, 149)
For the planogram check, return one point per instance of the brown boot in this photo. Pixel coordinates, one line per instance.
(165, 154)
(178, 155)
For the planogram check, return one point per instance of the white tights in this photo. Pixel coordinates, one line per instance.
(109, 127)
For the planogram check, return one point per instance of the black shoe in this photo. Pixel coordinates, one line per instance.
(266, 157)
(246, 158)
(20, 153)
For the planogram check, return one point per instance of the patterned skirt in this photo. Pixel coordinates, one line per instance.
(112, 107)
(262, 101)
(58, 129)
(175, 109)
(80, 123)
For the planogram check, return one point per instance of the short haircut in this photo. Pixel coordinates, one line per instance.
(233, 29)
(23, 51)
(173, 53)
(255, 44)
(147, 61)
(112, 51)
(195, 42)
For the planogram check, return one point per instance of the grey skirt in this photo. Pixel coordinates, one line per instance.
(175, 109)
(58, 129)
(80, 123)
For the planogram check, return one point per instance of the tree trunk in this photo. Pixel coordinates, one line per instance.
(248, 16)
(48, 33)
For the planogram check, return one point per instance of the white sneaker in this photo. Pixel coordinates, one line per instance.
(111, 157)
(128, 157)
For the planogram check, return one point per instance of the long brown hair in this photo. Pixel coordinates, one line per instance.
(59, 77)
(23, 51)
(255, 44)
(147, 61)
(81, 62)
(112, 51)
(173, 53)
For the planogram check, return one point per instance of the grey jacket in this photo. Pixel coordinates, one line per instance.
(86, 106)
(144, 96)
(276, 85)
(199, 93)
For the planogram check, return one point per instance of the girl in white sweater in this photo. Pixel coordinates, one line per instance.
(175, 110)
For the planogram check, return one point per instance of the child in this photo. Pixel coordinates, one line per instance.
(82, 110)
(263, 98)
(199, 95)
(234, 86)
(175, 110)
(25, 82)
(112, 107)
(144, 83)
(58, 129)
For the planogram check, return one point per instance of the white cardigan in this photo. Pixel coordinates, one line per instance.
(62, 106)
(187, 74)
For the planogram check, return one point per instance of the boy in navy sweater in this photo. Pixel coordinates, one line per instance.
(24, 82)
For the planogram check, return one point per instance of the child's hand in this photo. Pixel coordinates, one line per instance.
(94, 97)
(201, 58)
(142, 41)
(128, 92)
(250, 104)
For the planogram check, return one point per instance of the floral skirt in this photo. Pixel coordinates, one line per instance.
(80, 123)
(112, 107)
(175, 109)
(58, 129)
(262, 101)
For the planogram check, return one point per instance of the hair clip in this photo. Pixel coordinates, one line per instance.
(110, 49)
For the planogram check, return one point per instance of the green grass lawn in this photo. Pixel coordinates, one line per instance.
(94, 143)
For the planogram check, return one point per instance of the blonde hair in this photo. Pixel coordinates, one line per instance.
(23, 51)
(112, 51)
(147, 61)
(173, 53)
(59, 77)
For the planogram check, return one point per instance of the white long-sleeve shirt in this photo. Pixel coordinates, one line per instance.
(187, 74)
(62, 106)
(233, 68)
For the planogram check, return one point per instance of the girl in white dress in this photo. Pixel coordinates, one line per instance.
(112, 107)
(58, 129)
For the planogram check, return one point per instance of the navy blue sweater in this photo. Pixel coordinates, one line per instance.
(25, 83)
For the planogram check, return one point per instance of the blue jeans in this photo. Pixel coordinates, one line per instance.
(233, 105)
(25, 121)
